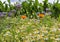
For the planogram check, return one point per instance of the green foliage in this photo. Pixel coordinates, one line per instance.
(1, 6)
(29, 7)
(45, 4)
(55, 9)
(8, 1)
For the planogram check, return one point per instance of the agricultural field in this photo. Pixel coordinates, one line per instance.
(30, 21)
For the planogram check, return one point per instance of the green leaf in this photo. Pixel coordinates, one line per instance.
(8, 1)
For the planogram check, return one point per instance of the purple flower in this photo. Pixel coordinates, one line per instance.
(47, 9)
(18, 6)
(49, 13)
(13, 11)
(4, 13)
(1, 14)
(10, 14)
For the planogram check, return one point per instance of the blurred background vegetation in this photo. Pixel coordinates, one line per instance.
(31, 8)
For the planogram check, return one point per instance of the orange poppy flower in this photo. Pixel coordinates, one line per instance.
(41, 15)
(23, 16)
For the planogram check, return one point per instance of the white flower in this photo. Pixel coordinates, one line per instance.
(45, 32)
(42, 34)
(16, 36)
(29, 23)
(54, 29)
(36, 31)
(7, 33)
(59, 29)
(27, 37)
(45, 38)
(22, 37)
(30, 34)
(57, 39)
(17, 31)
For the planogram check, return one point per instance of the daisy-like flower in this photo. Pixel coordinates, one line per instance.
(54, 29)
(46, 38)
(27, 37)
(45, 32)
(7, 33)
(17, 31)
(36, 31)
(52, 38)
(57, 39)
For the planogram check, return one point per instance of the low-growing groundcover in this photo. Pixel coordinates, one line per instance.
(15, 29)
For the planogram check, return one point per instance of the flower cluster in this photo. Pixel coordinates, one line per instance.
(2, 14)
(30, 30)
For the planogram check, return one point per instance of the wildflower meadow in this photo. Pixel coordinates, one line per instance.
(30, 21)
